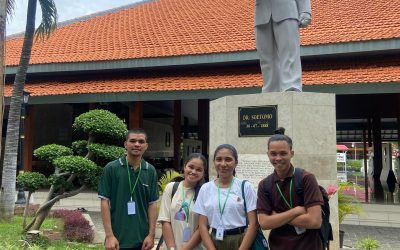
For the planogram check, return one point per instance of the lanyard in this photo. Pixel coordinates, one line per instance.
(290, 191)
(129, 176)
(226, 198)
(185, 205)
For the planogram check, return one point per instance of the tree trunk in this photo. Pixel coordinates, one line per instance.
(26, 209)
(40, 217)
(45, 207)
(3, 19)
(7, 194)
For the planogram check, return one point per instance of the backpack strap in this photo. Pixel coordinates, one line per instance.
(244, 201)
(174, 189)
(298, 183)
(268, 187)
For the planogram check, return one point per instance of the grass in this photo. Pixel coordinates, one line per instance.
(11, 237)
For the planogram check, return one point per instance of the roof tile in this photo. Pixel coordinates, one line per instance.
(189, 27)
(381, 70)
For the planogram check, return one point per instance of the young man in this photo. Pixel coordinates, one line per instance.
(293, 225)
(128, 192)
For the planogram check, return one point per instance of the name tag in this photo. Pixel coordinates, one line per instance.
(300, 230)
(131, 208)
(219, 235)
(187, 234)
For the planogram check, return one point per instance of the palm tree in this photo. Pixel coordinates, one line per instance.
(46, 27)
(6, 8)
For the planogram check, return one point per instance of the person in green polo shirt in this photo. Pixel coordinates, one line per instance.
(128, 191)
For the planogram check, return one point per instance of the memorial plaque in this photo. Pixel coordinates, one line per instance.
(253, 167)
(257, 121)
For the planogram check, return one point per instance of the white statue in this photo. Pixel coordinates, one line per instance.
(277, 25)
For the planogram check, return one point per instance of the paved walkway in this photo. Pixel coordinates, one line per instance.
(389, 237)
(380, 222)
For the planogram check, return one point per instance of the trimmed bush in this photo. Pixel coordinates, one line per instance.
(80, 147)
(51, 152)
(76, 227)
(107, 152)
(102, 123)
(31, 181)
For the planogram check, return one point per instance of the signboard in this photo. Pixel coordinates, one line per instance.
(341, 157)
(257, 121)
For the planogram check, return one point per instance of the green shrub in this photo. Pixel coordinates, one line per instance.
(100, 122)
(80, 147)
(355, 165)
(347, 204)
(368, 244)
(51, 151)
(107, 152)
(31, 181)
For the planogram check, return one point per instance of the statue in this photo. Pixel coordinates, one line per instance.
(277, 25)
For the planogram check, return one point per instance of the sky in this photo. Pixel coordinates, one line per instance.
(67, 9)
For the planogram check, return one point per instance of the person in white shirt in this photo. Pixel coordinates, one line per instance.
(220, 206)
(179, 224)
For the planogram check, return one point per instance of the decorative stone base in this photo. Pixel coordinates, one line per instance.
(309, 119)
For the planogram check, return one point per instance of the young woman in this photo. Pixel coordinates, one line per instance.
(179, 224)
(220, 205)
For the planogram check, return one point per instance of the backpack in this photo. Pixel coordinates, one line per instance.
(325, 232)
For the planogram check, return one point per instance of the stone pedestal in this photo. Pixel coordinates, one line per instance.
(309, 119)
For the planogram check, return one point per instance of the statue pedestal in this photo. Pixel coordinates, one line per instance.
(246, 121)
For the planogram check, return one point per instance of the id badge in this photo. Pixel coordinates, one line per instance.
(219, 235)
(187, 234)
(131, 208)
(300, 230)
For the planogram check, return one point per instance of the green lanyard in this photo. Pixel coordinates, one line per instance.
(290, 192)
(185, 205)
(129, 176)
(226, 198)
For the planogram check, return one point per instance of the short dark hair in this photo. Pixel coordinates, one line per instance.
(229, 147)
(280, 136)
(136, 131)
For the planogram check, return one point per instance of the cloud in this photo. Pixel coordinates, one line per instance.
(67, 9)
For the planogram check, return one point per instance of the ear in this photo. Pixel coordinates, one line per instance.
(146, 146)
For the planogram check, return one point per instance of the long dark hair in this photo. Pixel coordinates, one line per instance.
(202, 181)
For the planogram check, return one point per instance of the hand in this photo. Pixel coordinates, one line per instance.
(299, 210)
(304, 19)
(148, 242)
(111, 243)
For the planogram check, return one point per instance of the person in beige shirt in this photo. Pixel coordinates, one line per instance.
(179, 224)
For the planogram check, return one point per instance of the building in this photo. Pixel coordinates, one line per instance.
(161, 62)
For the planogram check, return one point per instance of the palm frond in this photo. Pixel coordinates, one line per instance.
(49, 19)
(167, 177)
(347, 204)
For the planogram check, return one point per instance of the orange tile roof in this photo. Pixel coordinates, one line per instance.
(188, 27)
(383, 70)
